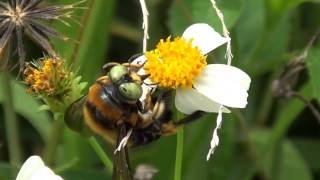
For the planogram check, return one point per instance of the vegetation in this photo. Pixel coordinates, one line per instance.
(276, 136)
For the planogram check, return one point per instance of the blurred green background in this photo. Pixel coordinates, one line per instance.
(273, 138)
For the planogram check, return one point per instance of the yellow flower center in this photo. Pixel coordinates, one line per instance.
(42, 76)
(174, 63)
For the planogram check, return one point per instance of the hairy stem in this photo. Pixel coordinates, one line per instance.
(53, 141)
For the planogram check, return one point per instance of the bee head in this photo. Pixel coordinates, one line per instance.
(128, 83)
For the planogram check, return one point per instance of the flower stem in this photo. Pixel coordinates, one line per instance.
(53, 141)
(11, 123)
(102, 155)
(179, 151)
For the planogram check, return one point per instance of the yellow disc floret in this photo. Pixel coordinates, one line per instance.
(174, 63)
(45, 76)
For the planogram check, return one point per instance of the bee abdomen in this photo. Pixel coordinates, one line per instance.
(98, 117)
(146, 135)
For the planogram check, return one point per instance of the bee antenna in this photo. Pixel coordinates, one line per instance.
(145, 76)
(133, 57)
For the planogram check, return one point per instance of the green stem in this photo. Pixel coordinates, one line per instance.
(267, 101)
(102, 155)
(11, 123)
(53, 141)
(179, 152)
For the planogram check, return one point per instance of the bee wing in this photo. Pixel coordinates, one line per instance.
(74, 117)
(121, 163)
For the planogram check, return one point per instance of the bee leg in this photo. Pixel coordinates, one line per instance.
(170, 127)
(190, 118)
(145, 112)
(161, 106)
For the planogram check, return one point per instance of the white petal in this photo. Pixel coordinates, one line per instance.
(226, 85)
(188, 100)
(204, 36)
(148, 87)
(31, 165)
(45, 173)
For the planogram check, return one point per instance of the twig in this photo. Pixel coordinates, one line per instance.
(313, 109)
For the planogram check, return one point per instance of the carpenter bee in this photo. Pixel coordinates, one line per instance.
(112, 108)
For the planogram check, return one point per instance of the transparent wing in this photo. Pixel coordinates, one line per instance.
(74, 117)
(121, 163)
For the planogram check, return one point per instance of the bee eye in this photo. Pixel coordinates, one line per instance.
(131, 91)
(117, 72)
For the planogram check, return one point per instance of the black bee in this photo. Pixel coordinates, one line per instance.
(112, 108)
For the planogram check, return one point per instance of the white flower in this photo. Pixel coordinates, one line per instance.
(35, 169)
(180, 65)
(218, 84)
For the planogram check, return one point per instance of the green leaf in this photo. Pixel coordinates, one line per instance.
(281, 6)
(183, 13)
(65, 48)
(261, 48)
(274, 47)
(293, 166)
(197, 141)
(85, 174)
(28, 107)
(284, 162)
(309, 150)
(89, 53)
(94, 41)
(6, 171)
(313, 63)
(251, 27)
(276, 9)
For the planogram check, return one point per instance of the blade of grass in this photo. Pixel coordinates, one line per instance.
(11, 124)
(10, 119)
(93, 43)
(39, 120)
